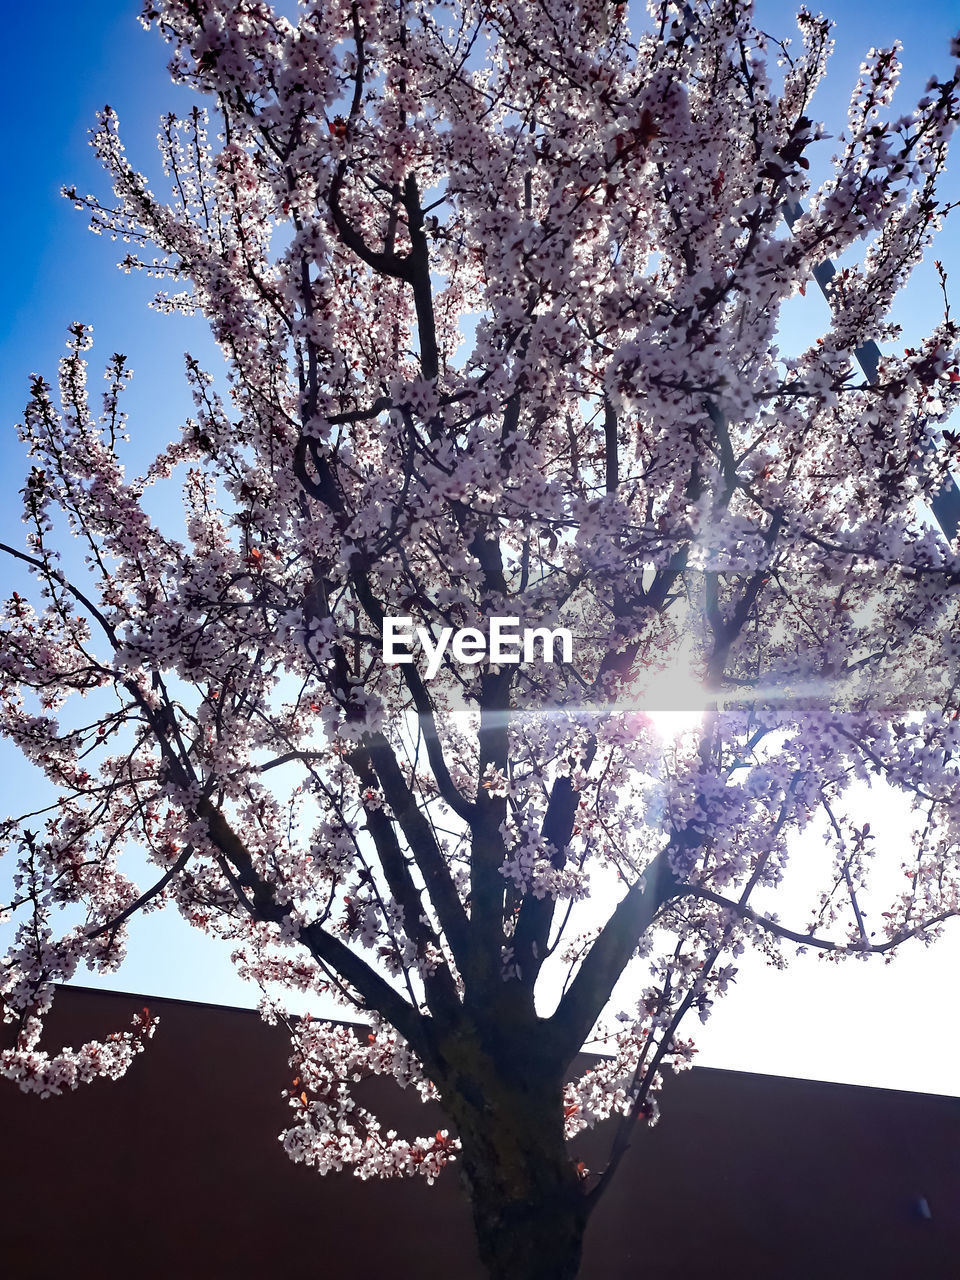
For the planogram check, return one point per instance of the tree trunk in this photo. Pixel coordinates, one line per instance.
(537, 1237)
(529, 1209)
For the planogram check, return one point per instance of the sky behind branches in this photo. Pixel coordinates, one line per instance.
(861, 1023)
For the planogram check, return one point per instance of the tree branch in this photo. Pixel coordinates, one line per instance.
(606, 960)
(375, 991)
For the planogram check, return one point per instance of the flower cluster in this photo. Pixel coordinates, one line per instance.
(332, 1130)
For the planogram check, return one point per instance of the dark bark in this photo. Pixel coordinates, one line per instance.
(527, 1197)
(532, 1239)
(529, 1210)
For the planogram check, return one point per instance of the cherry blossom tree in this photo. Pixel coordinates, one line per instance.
(498, 288)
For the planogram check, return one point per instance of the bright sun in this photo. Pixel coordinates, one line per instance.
(675, 700)
(670, 725)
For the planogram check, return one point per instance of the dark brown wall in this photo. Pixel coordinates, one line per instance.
(175, 1173)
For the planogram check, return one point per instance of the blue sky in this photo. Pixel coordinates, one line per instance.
(66, 60)
(71, 60)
